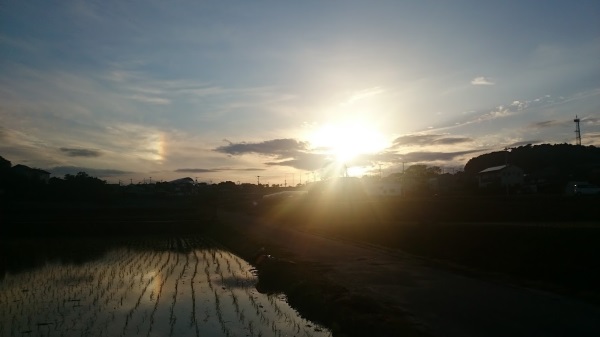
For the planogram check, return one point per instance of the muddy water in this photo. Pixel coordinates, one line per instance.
(172, 287)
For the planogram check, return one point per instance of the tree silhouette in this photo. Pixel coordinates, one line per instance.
(556, 164)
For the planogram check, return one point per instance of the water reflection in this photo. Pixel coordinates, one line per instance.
(186, 287)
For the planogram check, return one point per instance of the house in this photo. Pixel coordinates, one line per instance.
(31, 174)
(504, 176)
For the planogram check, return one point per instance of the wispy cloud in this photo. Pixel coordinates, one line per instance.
(215, 170)
(197, 170)
(305, 161)
(520, 105)
(415, 157)
(525, 142)
(90, 153)
(545, 124)
(364, 94)
(482, 80)
(429, 139)
(591, 121)
(151, 100)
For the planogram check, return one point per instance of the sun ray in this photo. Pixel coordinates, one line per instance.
(346, 141)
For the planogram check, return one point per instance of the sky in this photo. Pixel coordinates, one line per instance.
(290, 91)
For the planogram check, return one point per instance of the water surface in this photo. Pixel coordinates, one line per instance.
(147, 287)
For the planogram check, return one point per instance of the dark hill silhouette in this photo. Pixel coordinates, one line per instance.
(4, 163)
(559, 162)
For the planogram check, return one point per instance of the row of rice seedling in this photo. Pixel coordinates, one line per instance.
(175, 287)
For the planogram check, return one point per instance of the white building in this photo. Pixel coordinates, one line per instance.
(504, 175)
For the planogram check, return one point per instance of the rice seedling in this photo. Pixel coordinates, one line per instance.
(142, 289)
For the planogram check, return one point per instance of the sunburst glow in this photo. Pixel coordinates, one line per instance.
(347, 141)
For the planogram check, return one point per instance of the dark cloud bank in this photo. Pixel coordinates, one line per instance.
(72, 152)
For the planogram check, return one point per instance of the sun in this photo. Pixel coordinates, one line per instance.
(347, 141)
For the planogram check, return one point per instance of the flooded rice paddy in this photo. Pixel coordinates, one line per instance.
(146, 287)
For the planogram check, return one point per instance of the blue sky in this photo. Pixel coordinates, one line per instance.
(228, 90)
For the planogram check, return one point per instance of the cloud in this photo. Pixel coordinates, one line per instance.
(586, 121)
(414, 140)
(151, 100)
(62, 170)
(429, 139)
(89, 153)
(314, 162)
(249, 169)
(145, 88)
(3, 133)
(305, 161)
(215, 170)
(281, 148)
(525, 142)
(512, 108)
(197, 170)
(363, 94)
(386, 156)
(286, 152)
(415, 157)
(452, 140)
(482, 80)
(545, 124)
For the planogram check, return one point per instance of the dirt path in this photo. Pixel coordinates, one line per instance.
(443, 302)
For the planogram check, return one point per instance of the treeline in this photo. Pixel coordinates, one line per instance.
(558, 162)
(23, 182)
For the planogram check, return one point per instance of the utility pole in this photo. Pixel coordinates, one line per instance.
(258, 180)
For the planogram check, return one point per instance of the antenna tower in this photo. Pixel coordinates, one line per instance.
(577, 130)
